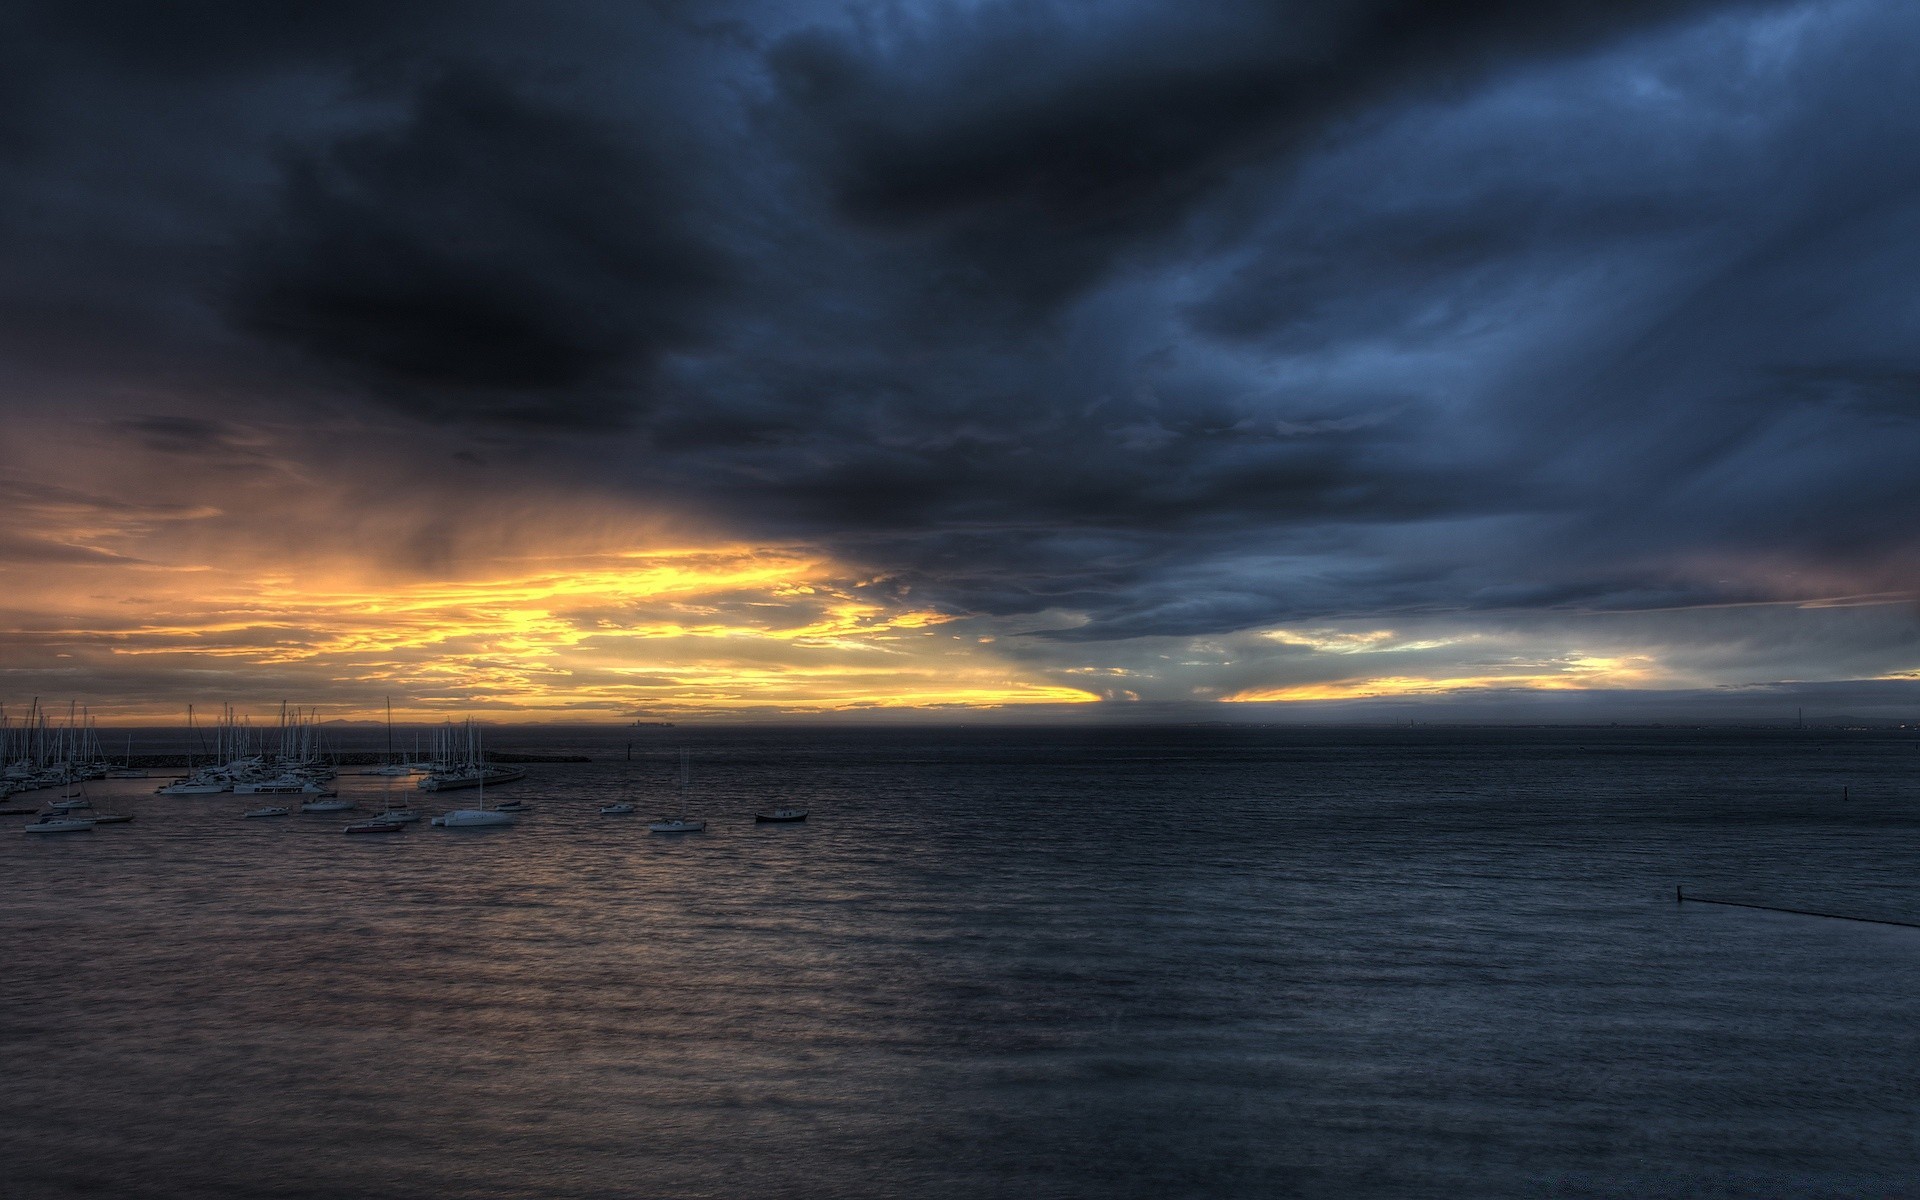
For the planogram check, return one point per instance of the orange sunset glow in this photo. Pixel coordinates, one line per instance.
(672, 632)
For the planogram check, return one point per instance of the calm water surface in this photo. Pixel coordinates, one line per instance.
(1147, 963)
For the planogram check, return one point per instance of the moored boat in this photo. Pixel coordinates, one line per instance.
(469, 818)
(60, 823)
(681, 823)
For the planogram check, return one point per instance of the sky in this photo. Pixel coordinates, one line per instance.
(1525, 361)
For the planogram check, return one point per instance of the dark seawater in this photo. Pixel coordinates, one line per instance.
(1090, 963)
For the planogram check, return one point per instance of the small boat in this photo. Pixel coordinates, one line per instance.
(113, 818)
(127, 770)
(69, 803)
(60, 823)
(469, 818)
(271, 810)
(676, 825)
(403, 815)
(376, 825)
(325, 806)
(513, 806)
(285, 785)
(781, 816)
(681, 823)
(190, 788)
(617, 809)
(478, 817)
(393, 765)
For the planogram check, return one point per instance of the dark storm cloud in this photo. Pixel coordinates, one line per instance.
(1041, 144)
(493, 257)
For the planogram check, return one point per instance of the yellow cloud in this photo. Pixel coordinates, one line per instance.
(673, 632)
(1571, 674)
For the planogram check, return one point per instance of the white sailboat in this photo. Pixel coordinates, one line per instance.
(480, 817)
(60, 823)
(680, 823)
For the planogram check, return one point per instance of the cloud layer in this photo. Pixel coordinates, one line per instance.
(1159, 353)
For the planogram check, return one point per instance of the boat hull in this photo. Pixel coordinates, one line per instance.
(472, 818)
(779, 818)
(60, 827)
(447, 783)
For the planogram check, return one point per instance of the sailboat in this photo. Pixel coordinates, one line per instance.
(376, 825)
(680, 823)
(393, 766)
(57, 822)
(780, 816)
(404, 815)
(472, 818)
(208, 781)
(126, 770)
(108, 815)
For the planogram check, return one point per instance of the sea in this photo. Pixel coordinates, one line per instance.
(1025, 962)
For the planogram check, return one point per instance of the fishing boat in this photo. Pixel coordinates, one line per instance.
(680, 823)
(780, 816)
(619, 808)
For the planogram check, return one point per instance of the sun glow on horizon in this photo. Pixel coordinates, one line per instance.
(674, 632)
(1574, 673)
